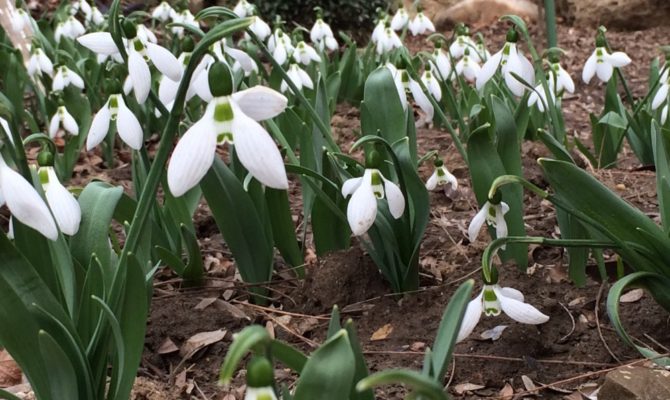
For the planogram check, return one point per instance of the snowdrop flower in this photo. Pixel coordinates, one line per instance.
(467, 67)
(481, 52)
(662, 93)
(404, 84)
(163, 12)
(8, 132)
(20, 19)
(602, 63)
(664, 114)
(71, 28)
(299, 77)
(259, 28)
(388, 41)
(492, 214)
(461, 42)
(127, 125)
(62, 203)
(321, 34)
(492, 301)
(441, 176)
(242, 60)
(145, 34)
(185, 17)
(95, 17)
(85, 8)
(65, 77)
(230, 118)
(167, 88)
(378, 31)
(509, 60)
(280, 46)
(441, 62)
(39, 63)
(63, 119)
(243, 9)
(400, 19)
(305, 54)
(431, 83)
(420, 25)
(25, 203)
(559, 79)
(364, 192)
(139, 52)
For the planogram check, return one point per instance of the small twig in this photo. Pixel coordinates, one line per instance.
(204, 397)
(572, 319)
(600, 332)
(309, 342)
(453, 372)
(274, 310)
(656, 342)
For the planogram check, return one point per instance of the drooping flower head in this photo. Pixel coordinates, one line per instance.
(63, 205)
(601, 63)
(492, 213)
(321, 35)
(299, 77)
(493, 300)
(65, 77)
(400, 19)
(404, 84)
(468, 67)
(420, 24)
(510, 62)
(441, 176)
(243, 9)
(365, 191)
(430, 81)
(230, 118)
(441, 61)
(39, 63)
(163, 12)
(70, 28)
(62, 119)
(127, 125)
(260, 380)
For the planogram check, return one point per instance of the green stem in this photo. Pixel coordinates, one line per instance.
(495, 245)
(505, 179)
(550, 21)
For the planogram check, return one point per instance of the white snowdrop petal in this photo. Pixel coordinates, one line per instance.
(248, 64)
(470, 318)
(395, 198)
(431, 183)
(260, 102)
(350, 185)
(514, 66)
(604, 71)
(422, 100)
(167, 90)
(99, 42)
(566, 80)
(70, 124)
(75, 79)
(477, 222)
(521, 312)
(129, 127)
(165, 61)
(512, 293)
(64, 206)
(140, 75)
(58, 83)
(99, 127)
(54, 124)
(192, 157)
(362, 208)
(660, 97)
(488, 69)
(590, 68)
(25, 203)
(618, 59)
(257, 151)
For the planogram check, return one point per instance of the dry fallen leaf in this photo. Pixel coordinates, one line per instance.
(235, 311)
(528, 383)
(573, 396)
(10, 373)
(507, 392)
(204, 303)
(493, 333)
(382, 333)
(167, 347)
(461, 388)
(632, 296)
(199, 341)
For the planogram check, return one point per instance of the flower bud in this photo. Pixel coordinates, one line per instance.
(259, 372)
(220, 80)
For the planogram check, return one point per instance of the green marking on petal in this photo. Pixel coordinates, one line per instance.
(44, 176)
(223, 112)
(224, 137)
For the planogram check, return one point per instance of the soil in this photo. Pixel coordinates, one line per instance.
(570, 352)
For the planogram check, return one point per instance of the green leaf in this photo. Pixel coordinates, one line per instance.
(361, 372)
(283, 230)
(97, 201)
(662, 163)
(644, 278)
(290, 356)
(239, 222)
(447, 333)
(249, 338)
(62, 375)
(386, 113)
(334, 325)
(328, 373)
(614, 120)
(421, 384)
(194, 271)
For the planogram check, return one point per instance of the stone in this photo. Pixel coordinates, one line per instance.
(629, 14)
(636, 383)
(482, 12)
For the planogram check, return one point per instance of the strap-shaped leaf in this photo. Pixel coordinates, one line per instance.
(662, 163)
(243, 342)
(361, 372)
(660, 284)
(386, 114)
(62, 374)
(283, 230)
(239, 222)
(328, 373)
(420, 384)
(447, 333)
